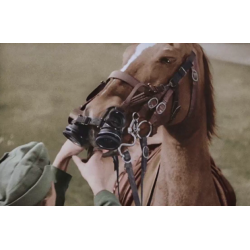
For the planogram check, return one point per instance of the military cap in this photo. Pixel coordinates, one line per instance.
(25, 175)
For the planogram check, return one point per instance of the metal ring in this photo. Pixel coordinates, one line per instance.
(143, 152)
(195, 76)
(135, 116)
(126, 145)
(123, 156)
(153, 106)
(159, 112)
(150, 130)
(127, 161)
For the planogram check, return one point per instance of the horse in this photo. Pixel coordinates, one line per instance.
(180, 169)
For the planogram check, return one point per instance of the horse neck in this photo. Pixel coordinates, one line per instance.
(185, 174)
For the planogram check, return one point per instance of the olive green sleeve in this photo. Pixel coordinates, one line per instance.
(62, 180)
(106, 198)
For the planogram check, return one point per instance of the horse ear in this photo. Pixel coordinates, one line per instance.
(209, 97)
(128, 53)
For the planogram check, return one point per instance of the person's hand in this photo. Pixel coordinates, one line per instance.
(96, 171)
(63, 157)
(69, 148)
(99, 172)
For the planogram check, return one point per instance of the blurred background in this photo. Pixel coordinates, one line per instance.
(41, 83)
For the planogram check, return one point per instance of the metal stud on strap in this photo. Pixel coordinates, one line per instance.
(145, 152)
(195, 76)
(153, 102)
(182, 71)
(161, 108)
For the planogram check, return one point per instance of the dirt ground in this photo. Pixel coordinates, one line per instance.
(41, 83)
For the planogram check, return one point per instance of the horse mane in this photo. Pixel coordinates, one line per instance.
(209, 98)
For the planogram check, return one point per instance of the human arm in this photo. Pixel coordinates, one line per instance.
(95, 174)
(60, 166)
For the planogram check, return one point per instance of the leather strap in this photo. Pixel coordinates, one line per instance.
(116, 169)
(183, 70)
(158, 118)
(86, 120)
(145, 155)
(96, 91)
(131, 177)
(132, 93)
(193, 99)
(124, 77)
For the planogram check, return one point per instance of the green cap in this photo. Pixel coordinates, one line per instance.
(25, 175)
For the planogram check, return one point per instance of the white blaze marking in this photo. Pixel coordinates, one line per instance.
(139, 49)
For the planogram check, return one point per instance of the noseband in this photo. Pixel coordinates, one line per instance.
(154, 100)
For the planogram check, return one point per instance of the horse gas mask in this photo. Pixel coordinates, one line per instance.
(111, 129)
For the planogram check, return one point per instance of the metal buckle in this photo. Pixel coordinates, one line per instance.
(132, 130)
(126, 145)
(123, 158)
(138, 129)
(161, 108)
(152, 88)
(87, 121)
(150, 103)
(195, 75)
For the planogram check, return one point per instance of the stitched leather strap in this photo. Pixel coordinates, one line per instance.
(145, 155)
(131, 178)
(183, 70)
(158, 118)
(128, 99)
(116, 169)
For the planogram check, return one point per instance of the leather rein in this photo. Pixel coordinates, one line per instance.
(154, 99)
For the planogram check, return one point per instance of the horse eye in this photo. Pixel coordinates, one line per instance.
(166, 60)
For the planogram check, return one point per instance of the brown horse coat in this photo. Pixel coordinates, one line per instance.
(224, 189)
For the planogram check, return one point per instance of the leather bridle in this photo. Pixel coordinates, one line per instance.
(154, 100)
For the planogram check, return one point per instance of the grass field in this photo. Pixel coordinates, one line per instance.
(41, 83)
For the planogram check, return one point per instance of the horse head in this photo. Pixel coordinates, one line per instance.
(155, 65)
(168, 86)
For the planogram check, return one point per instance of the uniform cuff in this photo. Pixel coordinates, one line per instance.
(106, 198)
